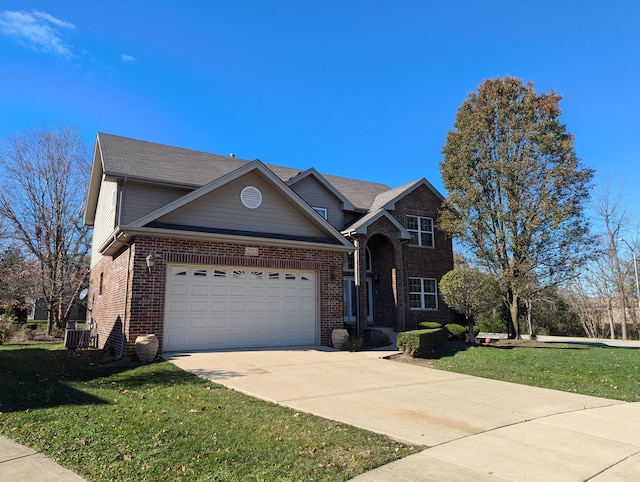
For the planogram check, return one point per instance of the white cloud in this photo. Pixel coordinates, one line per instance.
(128, 58)
(37, 30)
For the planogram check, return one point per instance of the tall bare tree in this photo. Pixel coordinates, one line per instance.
(46, 173)
(612, 275)
(516, 189)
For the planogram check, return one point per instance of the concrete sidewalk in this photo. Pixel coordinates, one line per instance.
(478, 429)
(18, 463)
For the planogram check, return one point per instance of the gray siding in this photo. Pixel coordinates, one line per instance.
(105, 219)
(350, 217)
(139, 200)
(223, 209)
(317, 196)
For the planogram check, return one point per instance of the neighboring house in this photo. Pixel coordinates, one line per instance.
(215, 252)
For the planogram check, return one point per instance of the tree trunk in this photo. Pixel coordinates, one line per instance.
(514, 304)
(472, 336)
(612, 326)
(529, 307)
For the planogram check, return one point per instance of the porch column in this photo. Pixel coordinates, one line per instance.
(360, 277)
(400, 293)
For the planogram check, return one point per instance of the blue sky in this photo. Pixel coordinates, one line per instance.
(364, 89)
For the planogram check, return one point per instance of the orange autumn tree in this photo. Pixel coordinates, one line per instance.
(516, 189)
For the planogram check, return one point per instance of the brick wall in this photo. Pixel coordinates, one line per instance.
(106, 301)
(146, 292)
(395, 261)
(422, 262)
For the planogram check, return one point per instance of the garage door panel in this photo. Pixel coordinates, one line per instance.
(200, 290)
(178, 289)
(271, 307)
(305, 292)
(237, 306)
(216, 307)
(254, 308)
(273, 292)
(200, 306)
(219, 290)
(177, 305)
(198, 322)
(177, 322)
(240, 291)
(289, 291)
(256, 291)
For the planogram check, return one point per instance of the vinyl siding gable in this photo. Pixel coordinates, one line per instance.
(316, 195)
(223, 209)
(141, 199)
(105, 218)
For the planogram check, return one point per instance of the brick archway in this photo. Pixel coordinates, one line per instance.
(383, 263)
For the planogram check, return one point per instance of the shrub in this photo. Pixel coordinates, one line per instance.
(456, 331)
(429, 325)
(375, 338)
(18, 311)
(30, 330)
(57, 332)
(7, 327)
(353, 343)
(421, 342)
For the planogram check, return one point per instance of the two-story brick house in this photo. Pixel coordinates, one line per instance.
(215, 252)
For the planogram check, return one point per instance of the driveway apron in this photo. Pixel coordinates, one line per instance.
(477, 429)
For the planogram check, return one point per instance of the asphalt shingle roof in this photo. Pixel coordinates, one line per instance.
(149, 161)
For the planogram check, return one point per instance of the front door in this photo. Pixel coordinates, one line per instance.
(351, 297)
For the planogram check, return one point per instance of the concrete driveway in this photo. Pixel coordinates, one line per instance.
(477, 429)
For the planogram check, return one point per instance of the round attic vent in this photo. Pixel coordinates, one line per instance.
(251, 197)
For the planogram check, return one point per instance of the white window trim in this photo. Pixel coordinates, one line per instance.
(419, 231)
(321, 211)
(423, 294)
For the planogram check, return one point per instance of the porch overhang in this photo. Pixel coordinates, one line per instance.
(361, 225)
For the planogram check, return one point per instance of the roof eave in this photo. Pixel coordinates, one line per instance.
(123, 235)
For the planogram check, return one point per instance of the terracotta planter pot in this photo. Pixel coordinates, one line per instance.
(147, 348)
(338, 337)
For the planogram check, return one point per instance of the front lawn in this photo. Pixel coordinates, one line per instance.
(125, 421)
(590, 370)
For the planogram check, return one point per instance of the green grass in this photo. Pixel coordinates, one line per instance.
(125, 421)
(599, 371)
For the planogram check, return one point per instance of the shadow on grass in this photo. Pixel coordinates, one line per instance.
(39, 376)
(450, 348)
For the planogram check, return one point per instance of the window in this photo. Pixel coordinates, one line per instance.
(421, 230)
(321, 211)
(101, 284)
(423, 294)
(348, 261)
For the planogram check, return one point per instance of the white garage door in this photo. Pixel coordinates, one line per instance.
(216, 307)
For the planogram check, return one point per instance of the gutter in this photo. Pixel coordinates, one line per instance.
(123, 235)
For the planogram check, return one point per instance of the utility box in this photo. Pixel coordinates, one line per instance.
(74, 338)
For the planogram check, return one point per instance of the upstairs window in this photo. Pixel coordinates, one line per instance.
(321, 211)
(421, 230)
